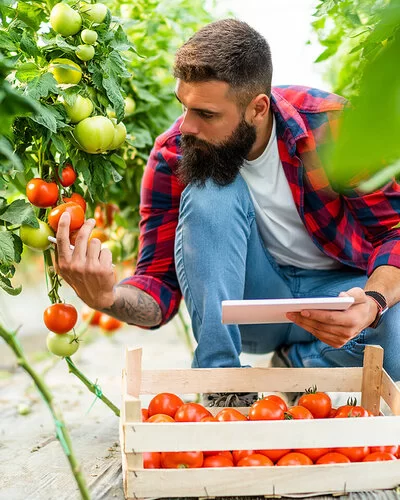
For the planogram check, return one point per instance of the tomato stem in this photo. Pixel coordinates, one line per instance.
(94, 388)
(61, 429)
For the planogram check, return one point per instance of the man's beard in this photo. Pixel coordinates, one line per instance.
(220, 163)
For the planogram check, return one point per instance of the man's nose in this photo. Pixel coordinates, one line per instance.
(188, 126)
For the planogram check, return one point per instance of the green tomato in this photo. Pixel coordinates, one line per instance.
(36, 238)
(94, 134)
(84, 52)
(119, 135)
(89, 36)
(72, 74)
(96, 12)
(61, 344)
(115, 249)
(65, 20)
(81, 109)
(130, 106)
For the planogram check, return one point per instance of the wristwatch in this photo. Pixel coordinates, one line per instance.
(382, 307)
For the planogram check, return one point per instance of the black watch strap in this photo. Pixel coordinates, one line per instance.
(381, 302)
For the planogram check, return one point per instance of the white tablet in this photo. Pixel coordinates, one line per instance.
(247, 312)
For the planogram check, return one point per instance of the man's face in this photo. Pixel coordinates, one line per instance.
(216, 138)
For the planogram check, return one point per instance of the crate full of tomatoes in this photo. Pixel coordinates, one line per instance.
(176, 447)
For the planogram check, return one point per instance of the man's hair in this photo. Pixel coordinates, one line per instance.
(230, 51)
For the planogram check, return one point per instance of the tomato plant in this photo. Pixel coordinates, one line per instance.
(181, 459)
(62, 345)
(165, 402)
(191, 412)
(75, 211)
(318, 403)
(41, 193)
(60, 318)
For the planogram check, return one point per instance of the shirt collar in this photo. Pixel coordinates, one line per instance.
(290, 126)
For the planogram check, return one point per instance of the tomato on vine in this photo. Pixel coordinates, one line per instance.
(60, 318)
(42, 194)
(62, 345)
(65, 20)
(78, 199)
(75, 211)
(109, 324)
(36, 238)
(68, 175)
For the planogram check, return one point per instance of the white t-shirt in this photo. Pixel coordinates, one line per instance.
(279, 223)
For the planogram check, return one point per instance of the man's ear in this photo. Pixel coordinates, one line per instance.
(258, 109)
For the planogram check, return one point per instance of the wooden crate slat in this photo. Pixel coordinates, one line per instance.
(372, 379)
(253, 379)
(391, 393)
(193, 436)
(263, 480)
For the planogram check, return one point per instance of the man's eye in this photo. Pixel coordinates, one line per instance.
(206, 116)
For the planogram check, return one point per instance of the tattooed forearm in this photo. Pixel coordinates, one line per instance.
(135, 307)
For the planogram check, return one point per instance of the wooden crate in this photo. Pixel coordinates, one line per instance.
(136, 437)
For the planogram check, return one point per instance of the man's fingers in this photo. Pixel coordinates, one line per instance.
(63, 251)
(81, 243)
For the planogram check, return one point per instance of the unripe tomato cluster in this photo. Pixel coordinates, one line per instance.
(94, 134)
(168, 407)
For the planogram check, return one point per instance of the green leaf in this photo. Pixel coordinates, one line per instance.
(20, 212)
(7, 248)
(47, 117)
(28, 45)
(41, 86)
(27, 71)
(31, 14)
(7, 152)
(6, 42)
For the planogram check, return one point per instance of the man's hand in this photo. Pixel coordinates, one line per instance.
(87, 268)
(336, 328)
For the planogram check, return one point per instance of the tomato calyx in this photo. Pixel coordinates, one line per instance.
(311, 390)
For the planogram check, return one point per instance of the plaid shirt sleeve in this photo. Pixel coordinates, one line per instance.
(379, 213)
(159, 209)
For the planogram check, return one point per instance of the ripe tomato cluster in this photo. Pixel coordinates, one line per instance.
(168, 407)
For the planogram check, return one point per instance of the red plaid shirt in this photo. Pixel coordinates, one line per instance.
(357, 230)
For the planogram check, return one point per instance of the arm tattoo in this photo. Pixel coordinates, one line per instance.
(135, 307)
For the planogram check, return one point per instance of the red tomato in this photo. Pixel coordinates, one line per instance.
(78, 199)
(151, 460)
(318, 403)
(68, 176)
(166, 403)
(191, 412)
(60, 318)
(226, 454)
(333, 457)
(298, 413)
(76, 213)
(159, 418)
(347, 411)
(229, 415)
(266, 410)
(314, 453)
(98, 233)
(217, 461)
(239, 454)
(87, 312)
(41, 193)
(208, 419)
(386, 449)
(332, 413)
(108, 323)
(274, 455)
(379, 456)
(354, 453)
(254, 460)
(294, 458)
(99, 216)
(145, 414)
(181, 459)
(278, 400)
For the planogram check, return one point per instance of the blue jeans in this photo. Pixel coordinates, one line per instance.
(219, 255)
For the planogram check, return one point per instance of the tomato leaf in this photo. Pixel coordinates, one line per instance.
(48, 117)
(6, 285)
(27, 71)
(13, 160)
(20, 212)
(41, 86)
(10, 247)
